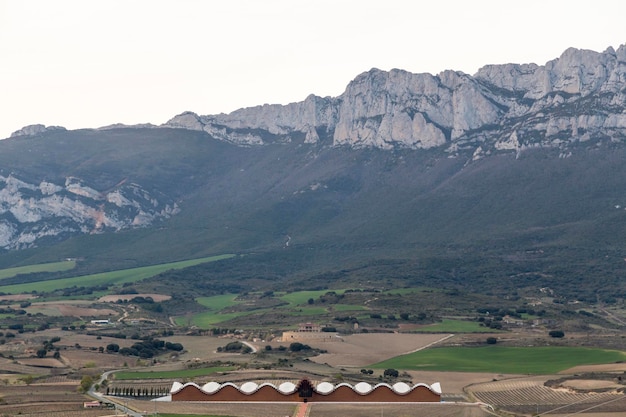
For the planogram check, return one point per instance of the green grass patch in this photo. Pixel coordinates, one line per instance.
(307, 311)
(302, 297)
(455, 326)
(30, 269)
(209, 319)
(297, 306)
(112, 277)
(505, 360)
(183, 373)
(346, 307)
(412, 290)
(218, 302)
(212, 316)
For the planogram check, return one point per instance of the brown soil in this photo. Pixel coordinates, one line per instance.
(16, 297)
(77, 309)
(315, 409)
(590, 384)
(365, 349)
(42, 362)
(609, 367)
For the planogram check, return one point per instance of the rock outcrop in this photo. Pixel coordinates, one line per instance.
(30, 213)
(33, 130)
(577, 97)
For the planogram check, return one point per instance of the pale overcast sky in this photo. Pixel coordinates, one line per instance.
(79, 63)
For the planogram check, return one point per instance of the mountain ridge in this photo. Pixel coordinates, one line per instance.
(502, 182)
(500, 108)
(505, 107)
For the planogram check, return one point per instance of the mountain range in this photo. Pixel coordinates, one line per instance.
(515, 173)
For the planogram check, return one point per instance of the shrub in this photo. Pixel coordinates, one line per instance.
(557, 333)
(297, 347)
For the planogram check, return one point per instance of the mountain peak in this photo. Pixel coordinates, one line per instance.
(33, 130)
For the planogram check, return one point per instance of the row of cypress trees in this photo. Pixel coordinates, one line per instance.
(126, 391)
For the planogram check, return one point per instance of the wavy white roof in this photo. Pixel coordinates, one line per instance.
(324, 388)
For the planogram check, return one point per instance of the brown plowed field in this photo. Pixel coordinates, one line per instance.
(315, 410)
(365, 349)
(44, 400)
(377, 410)
(79, 309)
(530, 395)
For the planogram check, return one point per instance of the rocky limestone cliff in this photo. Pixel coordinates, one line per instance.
(577, 97)
(32, 212)
(33, 130)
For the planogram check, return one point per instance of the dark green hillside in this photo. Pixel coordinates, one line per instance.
(317, 215)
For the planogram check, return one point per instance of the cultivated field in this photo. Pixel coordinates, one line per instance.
(315, 410)
(215, 409)
(361, 350)
(127, 297)
(78, 309)
(377, 410)
(528, 395)
(41, 400)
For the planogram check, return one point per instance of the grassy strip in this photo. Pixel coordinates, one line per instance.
(455, 326)
(30, 269)
(183, 373)
(218, 302)
(498, 359)
(208, 319)
(212, 316)
(302, 297)
(113, 277)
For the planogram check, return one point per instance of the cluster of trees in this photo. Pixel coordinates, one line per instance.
(235, 347)
(10, 310)
(145, 349)
(298, 347)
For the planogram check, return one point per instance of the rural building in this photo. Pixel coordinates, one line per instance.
(308, 332)
(305, 391)
(92, 404)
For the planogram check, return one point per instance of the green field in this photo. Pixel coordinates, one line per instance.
(30, 269)
(113, 277)
(212, 316)
(183, 373)
(455, 326)
(297, 306)
(218, 302)
(302, 297)
(506, 360)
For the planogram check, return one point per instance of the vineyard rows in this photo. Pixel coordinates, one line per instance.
(9, 367)
(537, 394)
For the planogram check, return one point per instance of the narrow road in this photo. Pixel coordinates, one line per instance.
(251, 346)
(99, 397)
(430, 344)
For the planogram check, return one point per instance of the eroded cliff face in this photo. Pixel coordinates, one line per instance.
(577, 97)
(32, 212)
